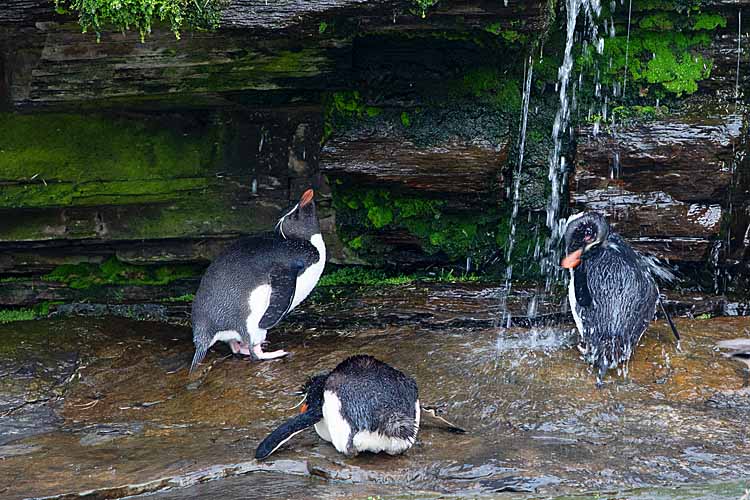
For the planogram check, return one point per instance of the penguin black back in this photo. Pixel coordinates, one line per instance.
(361, 405)
(374, 396)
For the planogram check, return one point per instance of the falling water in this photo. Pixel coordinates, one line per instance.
(592, 9)
(627, 51)
(739, 54)
(517, 190)
(517, 173)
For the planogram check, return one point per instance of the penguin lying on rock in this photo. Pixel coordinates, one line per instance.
(361, 405)
(612, 292)
(257, 281)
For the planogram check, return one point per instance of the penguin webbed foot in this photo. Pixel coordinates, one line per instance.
(258, 353)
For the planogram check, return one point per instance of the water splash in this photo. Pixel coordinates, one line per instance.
(591, 9)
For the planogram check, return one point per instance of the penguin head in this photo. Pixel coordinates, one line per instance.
(585, 232)
(313, 391)
(301, 221)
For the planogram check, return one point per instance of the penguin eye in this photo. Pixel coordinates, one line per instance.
(588, 234)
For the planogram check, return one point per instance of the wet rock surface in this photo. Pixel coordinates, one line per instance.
(105, 405)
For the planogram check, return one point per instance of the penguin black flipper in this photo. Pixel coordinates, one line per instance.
(283, 287)
(583, 295)
(287, 431)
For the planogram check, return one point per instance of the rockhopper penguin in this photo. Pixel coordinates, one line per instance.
(362, 405)
(257, 281)
(612, 292)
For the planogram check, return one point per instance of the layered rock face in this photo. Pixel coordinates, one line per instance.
(162, 151)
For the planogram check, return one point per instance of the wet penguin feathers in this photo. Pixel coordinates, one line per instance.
(612, 292)
(375, 395)
(361, 405)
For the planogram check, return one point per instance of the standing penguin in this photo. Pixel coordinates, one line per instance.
(612, 292)
(362, 405)
(257, 281)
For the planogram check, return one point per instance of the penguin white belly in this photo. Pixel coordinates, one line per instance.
(322, 429)
(337, 429)
(376, 442)
(574, 304)
(308, 279)
(258, 302)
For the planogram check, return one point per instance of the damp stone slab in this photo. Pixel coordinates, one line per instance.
(105, 406)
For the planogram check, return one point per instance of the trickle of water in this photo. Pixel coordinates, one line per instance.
(739, 54)
(591, 9)
(627, 49)
(714, 260)
(517, 189)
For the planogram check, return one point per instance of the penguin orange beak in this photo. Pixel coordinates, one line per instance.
(303, 408)
(572, 259)
(307, 197)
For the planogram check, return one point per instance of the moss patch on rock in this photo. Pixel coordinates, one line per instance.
(455, 236)
(663, 55)
(114, 272)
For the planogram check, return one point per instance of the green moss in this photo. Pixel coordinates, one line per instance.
(114, 272)
(494, 28)
(24, 314)
(453, 234)
(188, 297)
(423, 5)
(405, 120)
(638, 112)
(670, 60)
(362, 276)
(343, 108)
(656, 22)
(322, 27)
(706, 21)
(139, 15)
(369, 276)
(82, 148)
(492, 86)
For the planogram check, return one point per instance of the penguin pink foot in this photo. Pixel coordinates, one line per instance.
(259, 354)
(239, 348)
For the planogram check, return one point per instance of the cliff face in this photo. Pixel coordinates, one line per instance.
(160, 152)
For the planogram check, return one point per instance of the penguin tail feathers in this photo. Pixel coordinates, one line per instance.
(399, 425)
(200, 353)
(287, 431)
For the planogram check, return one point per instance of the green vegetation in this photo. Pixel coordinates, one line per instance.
(366, 276)
(55, 159)
(188, 297)
(114, 272)
(423, 6)
(342, 108)
(455, 235)
(25, 314)
(489, 85)
(664, 50)
(668, 59)
(140, 15)
(405, 120)
(362, 276)
(620, 113)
